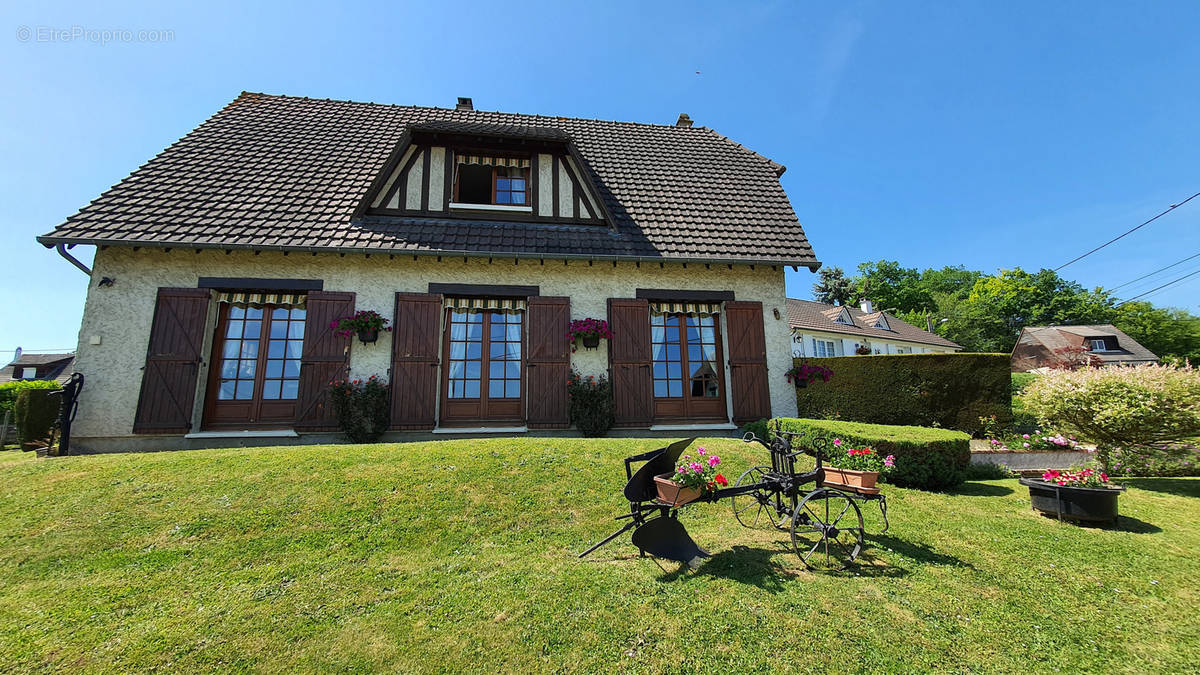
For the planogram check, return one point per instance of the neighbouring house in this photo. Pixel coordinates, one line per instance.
(820, 330)
(26, 366)
(1043, 347)
(221, 263)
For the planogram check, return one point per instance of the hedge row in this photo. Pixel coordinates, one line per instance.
(931, 390)
(9, 391)
(928, 459)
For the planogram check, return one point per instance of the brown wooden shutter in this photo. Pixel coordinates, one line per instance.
(415, 352)
(747, 361)
(547, 362)
(172, 362)
(629, 355)
(325, 358)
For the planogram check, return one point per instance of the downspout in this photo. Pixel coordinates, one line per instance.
(62, 250)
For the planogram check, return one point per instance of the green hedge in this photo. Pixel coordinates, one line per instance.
(9, 391)
(36, 411)
(930, 390)
(929, 459)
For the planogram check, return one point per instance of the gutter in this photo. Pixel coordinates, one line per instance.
(62, 250)
(58, 243)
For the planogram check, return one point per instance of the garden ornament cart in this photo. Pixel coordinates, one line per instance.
(825, 521)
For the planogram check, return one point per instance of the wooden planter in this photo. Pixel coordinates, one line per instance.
(672, 493)
(849, 478)
(367, 336)
(1098, 505)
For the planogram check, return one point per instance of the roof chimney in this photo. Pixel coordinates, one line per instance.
(683, 121)
(16, 355)
(464, 103)
(865, 306)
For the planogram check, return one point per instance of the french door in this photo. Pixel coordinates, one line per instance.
(483, 381)
(254, 379)
(685, 351)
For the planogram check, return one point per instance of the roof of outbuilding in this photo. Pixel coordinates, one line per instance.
(278, 172)
(1060, 337)
(806, 314)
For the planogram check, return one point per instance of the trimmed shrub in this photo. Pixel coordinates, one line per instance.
(361, 407)
(759, 429)
(591, 409)
(930, 390)
(9, 391)
(36, 412)
(928, 459)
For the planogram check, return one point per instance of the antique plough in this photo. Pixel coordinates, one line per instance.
(825, 522)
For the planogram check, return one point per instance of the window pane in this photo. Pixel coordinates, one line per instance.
(518, 185)
(295, 329)
(289, 390)
(291, 369)
(458, 331)
(278, 329)
(512, 369)
(236, 312)
(694, 353)
(458, 350)
(498, 330)
(232, 349)
(675, 388)
(497, 350)
(512, 389)
(503, 184)
(513, 351)
(225, 392)
(660, 388)
(298, 314)
(271, 390)
(472, 389)
(672, 351)
(229, 368)
(514, 332)
(254, 312)
(474, 350)
(674, 370)
(294, 349)
(274, 368)
(495, 388)
(246, 369)
(234, 330)
(496, 369)
(456, 370)
(502, 198)
(245, 390)
(660, 370)
(275, 347)
(249, 349)
(518, 198)
(253, 329)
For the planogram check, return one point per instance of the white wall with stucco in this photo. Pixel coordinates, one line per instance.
(118, 317)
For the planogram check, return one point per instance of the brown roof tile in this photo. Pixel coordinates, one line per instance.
(804, 314)
(286, 172)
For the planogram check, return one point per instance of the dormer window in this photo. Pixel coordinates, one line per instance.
(1104, 344)
(843, 318)
(882, 323)
(491, 181)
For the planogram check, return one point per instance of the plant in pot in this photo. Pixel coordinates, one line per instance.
(366, 324)
(1080, 493)
(361, 407)
(591, 404)
(805, 373)
(855, 467)
(589, 331)
(694, 477)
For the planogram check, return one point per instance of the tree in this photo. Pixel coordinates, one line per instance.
(890, 286)
(833, 288)
(1166, 332)
(1013, 299)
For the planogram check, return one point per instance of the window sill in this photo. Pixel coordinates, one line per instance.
(502, 208)
(245, 433)
(480, 430)
(719, 426)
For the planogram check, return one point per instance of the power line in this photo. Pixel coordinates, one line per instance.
(1168, 210)
(1169, 283)
(1155, 272)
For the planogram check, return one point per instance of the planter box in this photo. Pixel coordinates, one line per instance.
(1073, 503)
(672, 493)
(850, 477)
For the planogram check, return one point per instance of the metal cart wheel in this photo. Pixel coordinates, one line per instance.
(761, 508)
(827, 530)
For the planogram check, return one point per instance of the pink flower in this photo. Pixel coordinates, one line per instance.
(1025, 444)
(701, 451)
(714, 460)
(837, 442)
(889, 461)
(1025, 436)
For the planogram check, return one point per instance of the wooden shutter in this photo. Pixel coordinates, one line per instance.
(629, 355)
(415, 349)
(325, 358)
(547, 362)
(172, 362)
(747, 347)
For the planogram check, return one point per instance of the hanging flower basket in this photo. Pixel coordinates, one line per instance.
(804, 373)
(366, 324)
(590, 331)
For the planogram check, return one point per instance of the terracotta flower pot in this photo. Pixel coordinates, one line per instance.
(591, 341)
(368, 335)
(850, 477)
(672, 493)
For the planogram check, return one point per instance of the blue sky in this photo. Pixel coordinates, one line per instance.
(990, 135)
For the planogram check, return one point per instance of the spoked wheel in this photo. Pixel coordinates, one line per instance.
(827, 530)
(761, 508)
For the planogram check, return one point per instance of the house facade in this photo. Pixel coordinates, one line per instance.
(1040, 348)
(480, 235)
(820, 330)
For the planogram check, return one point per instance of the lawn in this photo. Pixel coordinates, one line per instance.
(460, 556)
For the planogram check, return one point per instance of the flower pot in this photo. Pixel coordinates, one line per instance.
(591, 341)
(800, 384)
(1073, 503)
(849, 477)
(672, 493)
(368, 335)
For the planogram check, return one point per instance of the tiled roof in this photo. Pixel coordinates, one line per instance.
(287, 173)
(808, 315)
(1059, 337)
(62, 366)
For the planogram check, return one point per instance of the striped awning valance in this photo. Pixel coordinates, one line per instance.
(491, 160)
(483, 304)
(259, 299)
(696, 308)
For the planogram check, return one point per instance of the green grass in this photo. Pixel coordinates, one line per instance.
(460, 556)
